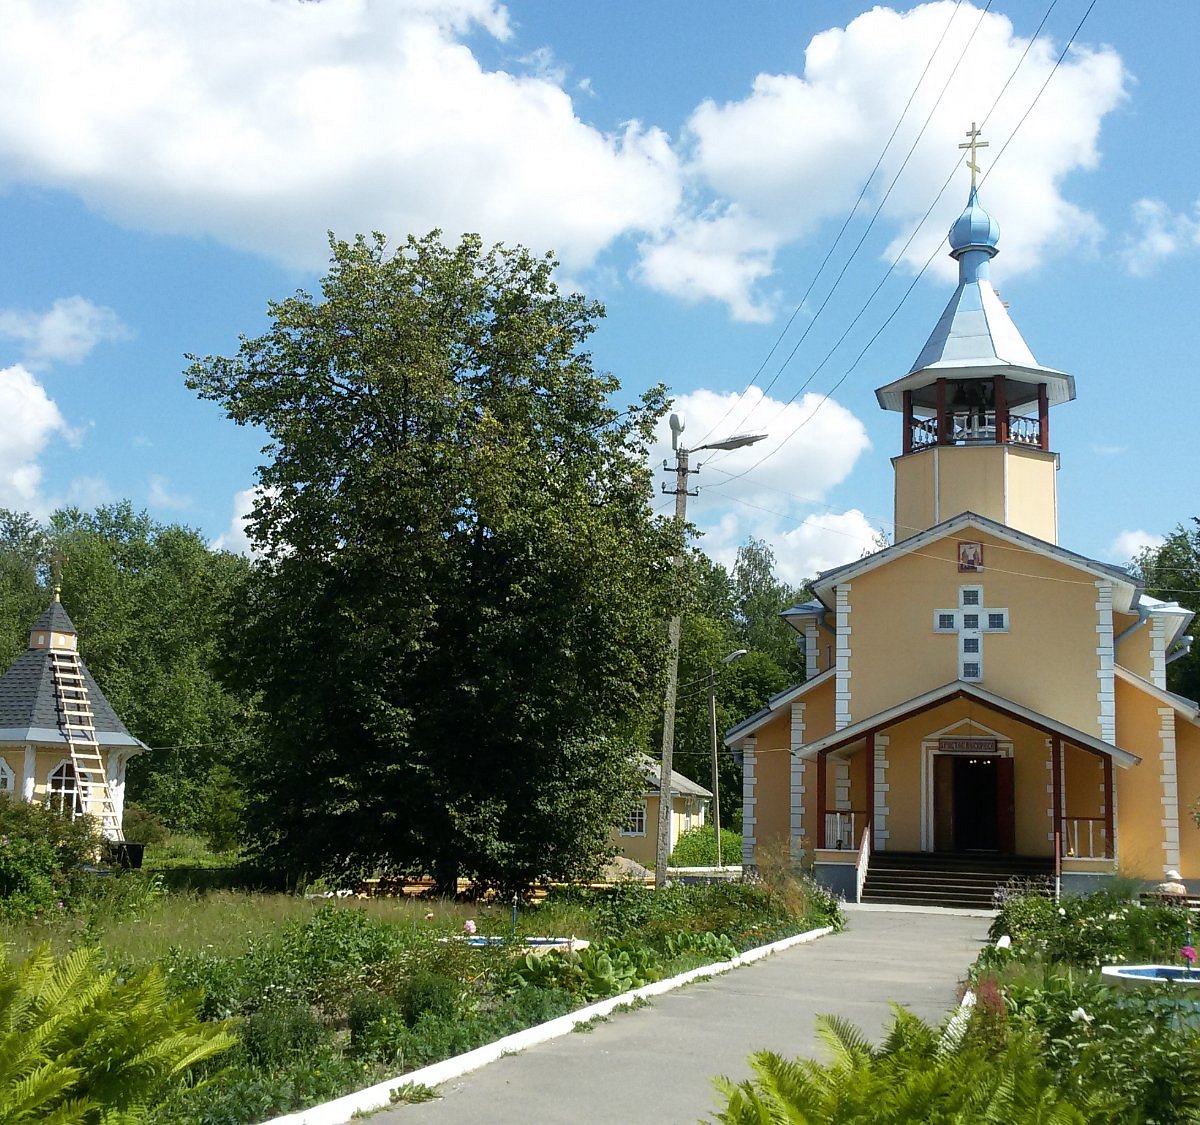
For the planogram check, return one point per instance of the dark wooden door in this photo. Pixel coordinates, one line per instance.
(1006, 809)
(943, 803)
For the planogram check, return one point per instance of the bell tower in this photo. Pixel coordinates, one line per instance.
(976, 405)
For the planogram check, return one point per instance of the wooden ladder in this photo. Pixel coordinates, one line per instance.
(78, 724)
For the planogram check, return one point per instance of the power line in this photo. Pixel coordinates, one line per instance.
(845, 225)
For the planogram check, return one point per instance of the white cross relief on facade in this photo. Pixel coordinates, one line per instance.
(970, 619)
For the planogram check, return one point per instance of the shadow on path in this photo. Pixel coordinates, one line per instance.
(655, 1064)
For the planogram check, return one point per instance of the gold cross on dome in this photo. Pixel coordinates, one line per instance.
(974, 144)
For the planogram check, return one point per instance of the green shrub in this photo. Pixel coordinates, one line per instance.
(697, 847)
(428, 994)
(1086, 931)
(274, 1034)
(1142, 1048)
(142, 826)
(41, 852)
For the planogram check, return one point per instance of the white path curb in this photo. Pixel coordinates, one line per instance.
(379, 1096)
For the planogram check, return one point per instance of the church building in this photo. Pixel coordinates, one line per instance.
(976, 693)
(61, 742)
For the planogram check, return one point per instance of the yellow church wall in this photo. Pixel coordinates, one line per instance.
(1187, 751)
(914, 493)
(1139, 792)
(772, 769)
(896, 655)
(970, 478)
(1012, 484)
(1032, 491)
(1133, 652)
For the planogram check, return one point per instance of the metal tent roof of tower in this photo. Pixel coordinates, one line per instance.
(28, 704)
(975, 337)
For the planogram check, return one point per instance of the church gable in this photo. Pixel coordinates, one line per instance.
(969, 604)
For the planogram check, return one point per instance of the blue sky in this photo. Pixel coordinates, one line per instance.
(165, 170)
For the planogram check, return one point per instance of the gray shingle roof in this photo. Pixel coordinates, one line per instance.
(55, 619)
(28, 710)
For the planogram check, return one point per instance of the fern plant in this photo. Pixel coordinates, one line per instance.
(79, 1046)
(916, 1075)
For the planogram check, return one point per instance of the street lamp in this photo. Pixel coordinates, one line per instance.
(737, 654)
(680, 492)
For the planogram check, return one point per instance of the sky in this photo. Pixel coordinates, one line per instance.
(758, 193)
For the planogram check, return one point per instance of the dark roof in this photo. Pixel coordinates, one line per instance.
(55, 620)
(28, 708)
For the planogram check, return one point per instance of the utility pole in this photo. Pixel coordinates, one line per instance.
(666, 770)
(712, 729)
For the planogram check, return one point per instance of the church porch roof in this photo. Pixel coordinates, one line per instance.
(961, 689)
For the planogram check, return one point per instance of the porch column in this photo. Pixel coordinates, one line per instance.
(1109, 802)
(822, 801)
(29, 774)
(1056, 794)
(870, 802)
(1000, 402)
(1043, 418)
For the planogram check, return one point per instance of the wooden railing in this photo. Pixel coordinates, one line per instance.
(1085, 837)
(975, 427)
(863, 864)
(842, 827)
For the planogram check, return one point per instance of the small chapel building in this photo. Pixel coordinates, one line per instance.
(61, 742)
(977, 691)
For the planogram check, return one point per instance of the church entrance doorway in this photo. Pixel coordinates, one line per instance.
(973, 803)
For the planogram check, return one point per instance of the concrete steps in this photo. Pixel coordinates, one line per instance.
(967, 881)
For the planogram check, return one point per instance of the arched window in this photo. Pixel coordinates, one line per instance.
(68, 793)
(8, 779)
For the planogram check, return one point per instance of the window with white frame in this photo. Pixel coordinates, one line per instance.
(636, 824)
(8, 779)
(67, 792)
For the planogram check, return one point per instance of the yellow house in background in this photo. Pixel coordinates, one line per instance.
(61, 743)
(978, 697)
(637, 838)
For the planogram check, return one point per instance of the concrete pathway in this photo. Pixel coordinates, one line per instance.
(655, 1064)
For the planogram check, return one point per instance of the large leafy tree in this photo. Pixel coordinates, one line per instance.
(457, 625)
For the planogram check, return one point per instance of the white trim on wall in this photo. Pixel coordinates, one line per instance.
(1168, 780)
(796, 783)
(842, 714)
(749, 782)
(879, 832)
(1106, 719)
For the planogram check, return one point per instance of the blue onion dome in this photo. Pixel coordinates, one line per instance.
(974, 229)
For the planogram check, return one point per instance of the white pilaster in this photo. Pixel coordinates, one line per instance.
(812, 652)
(1158, 651)
(881, 765)
(1106, 719)
(842, 659)
(796, 784)
(1168, 779)
(28, 777)
(749, 801)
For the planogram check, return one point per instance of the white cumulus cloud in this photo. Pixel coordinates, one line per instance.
(29, 418)
(767, 490)
(65, 333)
(1127, 545)
(264, 124)
(235, 537)
(1159, 234)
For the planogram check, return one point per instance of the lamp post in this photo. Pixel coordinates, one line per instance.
(737, 654)
(681, 493)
